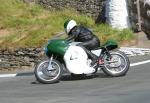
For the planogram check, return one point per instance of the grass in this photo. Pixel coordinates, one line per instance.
(30, 25)
(106, 32)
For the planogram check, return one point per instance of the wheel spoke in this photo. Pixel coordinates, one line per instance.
(116, 64)
(48, 75)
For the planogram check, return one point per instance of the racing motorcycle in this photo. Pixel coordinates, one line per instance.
(71, 58)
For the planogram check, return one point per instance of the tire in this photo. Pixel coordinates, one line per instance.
(48, 77)
(117, 68)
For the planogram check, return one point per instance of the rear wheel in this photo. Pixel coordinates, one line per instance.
(44, 75)
(117, 65)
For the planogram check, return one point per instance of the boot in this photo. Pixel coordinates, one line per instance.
(94, 59)
(92, 56)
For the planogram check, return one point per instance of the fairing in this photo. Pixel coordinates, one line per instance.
(76, 61)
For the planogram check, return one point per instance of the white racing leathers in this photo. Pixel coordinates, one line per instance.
(76, 61)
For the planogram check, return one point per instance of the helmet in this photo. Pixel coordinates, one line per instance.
(69, 25)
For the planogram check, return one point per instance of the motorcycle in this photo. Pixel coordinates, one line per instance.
(71, 58)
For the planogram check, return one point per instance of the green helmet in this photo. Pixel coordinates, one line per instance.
(69, 25)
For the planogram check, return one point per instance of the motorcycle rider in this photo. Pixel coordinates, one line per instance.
(84, 35)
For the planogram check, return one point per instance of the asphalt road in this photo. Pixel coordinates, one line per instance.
(132, 88)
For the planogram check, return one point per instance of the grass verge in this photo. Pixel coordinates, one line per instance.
(30, 25)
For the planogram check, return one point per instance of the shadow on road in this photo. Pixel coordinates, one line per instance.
(83, 77)
(78, 77)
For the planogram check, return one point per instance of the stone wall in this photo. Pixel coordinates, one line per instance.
(145, 14)
(90, 7)
(21, 58)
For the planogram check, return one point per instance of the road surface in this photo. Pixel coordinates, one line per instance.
(132, 88)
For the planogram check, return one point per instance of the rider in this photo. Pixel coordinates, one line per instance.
(84, 35)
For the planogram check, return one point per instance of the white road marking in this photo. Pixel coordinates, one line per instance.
(135, 51)
(139, 63)
(7, 75)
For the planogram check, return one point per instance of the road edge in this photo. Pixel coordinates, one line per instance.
(16, 74)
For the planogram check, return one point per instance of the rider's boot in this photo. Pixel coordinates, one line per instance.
(93, 57)
(94, 60)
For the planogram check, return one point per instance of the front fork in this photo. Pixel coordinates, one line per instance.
(49, 64)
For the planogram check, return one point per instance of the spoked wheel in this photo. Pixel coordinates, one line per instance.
(48, 76)
(117, 65)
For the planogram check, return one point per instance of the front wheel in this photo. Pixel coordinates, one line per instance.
(117, 65)
(46, 76)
